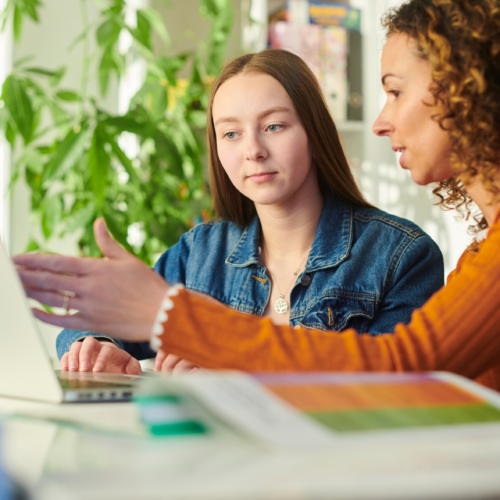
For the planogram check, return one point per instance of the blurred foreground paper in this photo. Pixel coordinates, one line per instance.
(318, 409)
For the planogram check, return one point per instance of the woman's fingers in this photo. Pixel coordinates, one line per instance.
(104, 356)
(71, 321)
(74, 356)
(183, 366)
(64, 362)
(160, 357)
(108, 245)
(55, 263)
(53, 299)
(113, 359)
(133, 367)
(90, 349)
(169, 363)
(45, 280)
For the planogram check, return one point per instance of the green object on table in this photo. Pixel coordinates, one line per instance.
(167, 415)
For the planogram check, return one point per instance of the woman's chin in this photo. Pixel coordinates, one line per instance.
(424, 179)
(266, 197)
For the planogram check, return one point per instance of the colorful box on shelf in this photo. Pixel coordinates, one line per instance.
(319, 12)
(334, 14)
(324, 49)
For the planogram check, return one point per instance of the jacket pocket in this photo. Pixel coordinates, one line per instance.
(340, 312)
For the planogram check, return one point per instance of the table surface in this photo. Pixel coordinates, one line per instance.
(101, 455)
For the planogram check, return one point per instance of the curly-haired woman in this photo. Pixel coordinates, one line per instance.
(441, 73)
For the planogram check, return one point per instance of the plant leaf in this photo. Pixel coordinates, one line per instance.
(23, 60)
(58, 76)
(30, 7)
(124, 160)
(67, 95)
(172, 65)
(156, 22)
(99, 165)
(66, 154)
(80, 218)
(219, 35)
(51, 215)
(31, 246)
(17, 22)
(10, 134)
(155, 99)
(143, 31)
(128, 124)
(19, 105)
(119, 231)
(111, 62)
(40, 71)
(108, 33)
(32, 159)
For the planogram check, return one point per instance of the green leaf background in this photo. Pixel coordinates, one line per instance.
(71, 153)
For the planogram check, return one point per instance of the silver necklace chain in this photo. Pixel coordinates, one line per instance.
(281, 305)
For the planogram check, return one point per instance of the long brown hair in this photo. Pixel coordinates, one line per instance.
(334, 173)
(461, 41)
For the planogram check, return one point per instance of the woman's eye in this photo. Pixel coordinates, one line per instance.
(395, 93)
(274, 128)
(230, 135)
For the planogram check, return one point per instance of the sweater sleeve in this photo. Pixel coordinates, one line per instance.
(455, 330)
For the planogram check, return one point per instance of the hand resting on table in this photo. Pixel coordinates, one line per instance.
(92, 355)
(99, 356)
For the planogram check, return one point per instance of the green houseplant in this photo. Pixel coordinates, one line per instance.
(69, 150)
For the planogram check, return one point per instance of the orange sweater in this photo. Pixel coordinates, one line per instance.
(456, 330)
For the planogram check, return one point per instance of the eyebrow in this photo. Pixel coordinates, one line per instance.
(387, 75)
(263, 114)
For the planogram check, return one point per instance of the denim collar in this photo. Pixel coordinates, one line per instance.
(331, 245)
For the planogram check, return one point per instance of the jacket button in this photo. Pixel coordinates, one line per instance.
(306, 280)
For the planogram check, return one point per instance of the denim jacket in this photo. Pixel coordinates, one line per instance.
(368, 270)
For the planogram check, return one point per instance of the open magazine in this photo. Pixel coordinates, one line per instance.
(317, 409)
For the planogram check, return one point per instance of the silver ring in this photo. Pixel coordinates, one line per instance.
(66, 303)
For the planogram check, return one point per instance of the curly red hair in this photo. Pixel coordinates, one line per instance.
(461, 41)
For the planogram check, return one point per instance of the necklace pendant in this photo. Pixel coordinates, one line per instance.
(281, 306)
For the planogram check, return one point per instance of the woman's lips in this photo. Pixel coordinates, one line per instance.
(400, 151)
(402, 159)
(263, 177)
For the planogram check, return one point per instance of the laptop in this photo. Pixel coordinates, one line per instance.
(26, 371)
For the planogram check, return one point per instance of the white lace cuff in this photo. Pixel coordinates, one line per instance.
(162, 316)
(481, 235)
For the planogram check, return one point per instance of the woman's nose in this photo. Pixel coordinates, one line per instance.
(255, 149)
(382, 125)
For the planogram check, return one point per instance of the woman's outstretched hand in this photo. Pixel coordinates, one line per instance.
(118, 295)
